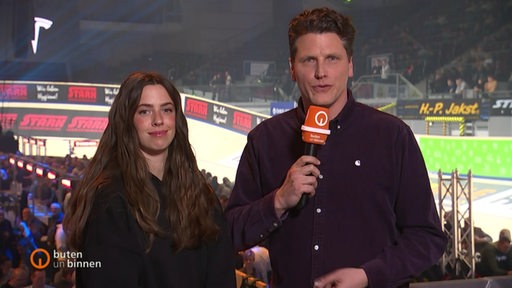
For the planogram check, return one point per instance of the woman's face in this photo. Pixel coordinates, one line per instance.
(155, 120)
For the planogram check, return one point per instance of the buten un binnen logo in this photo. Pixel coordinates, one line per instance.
(40, 258)
(321, 118)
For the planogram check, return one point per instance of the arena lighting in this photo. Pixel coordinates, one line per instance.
(51, 175)
(40, 171)
(38, 24)
(20, 163)
(85, 143)
(41, 142)
(29, 167)
(66, 183)
(12, 160)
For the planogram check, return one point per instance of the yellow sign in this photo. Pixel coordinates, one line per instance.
(449, 109)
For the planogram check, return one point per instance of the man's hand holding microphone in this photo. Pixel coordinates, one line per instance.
(301, 179)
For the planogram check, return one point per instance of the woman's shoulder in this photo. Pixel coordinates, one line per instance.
(111, 209)
(110, 194)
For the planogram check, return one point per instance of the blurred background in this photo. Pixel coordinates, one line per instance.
(191, 41)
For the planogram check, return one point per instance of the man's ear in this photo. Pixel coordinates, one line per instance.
(292, 70)
(350, 68)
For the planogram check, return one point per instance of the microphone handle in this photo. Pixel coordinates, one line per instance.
(302, 202)
(309, 149)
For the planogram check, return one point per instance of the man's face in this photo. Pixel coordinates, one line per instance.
(26, 215)
(38, 278)
(504, 245)
(54, 210)
(321, 68)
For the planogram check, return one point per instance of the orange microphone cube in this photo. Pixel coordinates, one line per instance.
(316, 125)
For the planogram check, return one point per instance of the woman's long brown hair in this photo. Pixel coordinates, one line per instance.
(190, 198)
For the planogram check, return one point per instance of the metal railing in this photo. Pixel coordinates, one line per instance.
(395, 86)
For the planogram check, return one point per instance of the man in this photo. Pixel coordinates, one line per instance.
(460, 88)
(19, 278)
(36, 226)
(496, 258)
(370, 219)
(38, 279)
(5, 234)
(56, 218)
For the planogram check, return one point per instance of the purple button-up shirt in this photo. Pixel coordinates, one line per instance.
(373, 207)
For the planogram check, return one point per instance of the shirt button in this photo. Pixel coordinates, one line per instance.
(318, 210)
(261, 236)
(275, 224)
(316, 247)
(338, 127)
(320, 176)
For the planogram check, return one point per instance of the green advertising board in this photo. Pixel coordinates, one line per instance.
(486, 157)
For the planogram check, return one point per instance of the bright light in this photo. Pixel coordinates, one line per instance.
(66, 183)
(29, 167)
(51, 175)
(40, 171)
(38, 24)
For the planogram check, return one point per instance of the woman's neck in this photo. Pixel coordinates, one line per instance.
(156, 165)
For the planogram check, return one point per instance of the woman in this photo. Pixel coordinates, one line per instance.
(143, 211)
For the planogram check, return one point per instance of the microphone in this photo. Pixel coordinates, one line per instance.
(314, 134)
